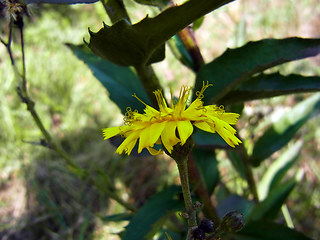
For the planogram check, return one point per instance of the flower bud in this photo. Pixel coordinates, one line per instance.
(206, 225)
(198, 233)
(232, 222)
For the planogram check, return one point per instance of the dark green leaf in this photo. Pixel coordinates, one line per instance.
(271, 85)
(126, 44)
(238, 65)
(265, 230)
(150, 216)
(208, 140)
(197, 23)
(270, 207)
(208, 167)
(117, 217)
(121, 82)
(281, 132)
(278, 169)
(235, 203)
(183, 55)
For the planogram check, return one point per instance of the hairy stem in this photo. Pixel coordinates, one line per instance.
(183, 172)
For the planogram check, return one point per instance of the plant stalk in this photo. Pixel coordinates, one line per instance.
(183, 172)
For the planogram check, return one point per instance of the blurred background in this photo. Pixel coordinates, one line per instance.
(41, 199)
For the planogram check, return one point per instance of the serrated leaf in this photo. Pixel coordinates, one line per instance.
(271, 85)
(208, 167)
(235, 66)
(278, 169)
(271, 205)
(154, 210)
(132, 45)
(266, 230)
(281, 132)
(121, 82)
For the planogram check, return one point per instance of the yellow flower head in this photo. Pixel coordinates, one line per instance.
(172, 125)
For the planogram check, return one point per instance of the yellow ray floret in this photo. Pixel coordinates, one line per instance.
(172, 125)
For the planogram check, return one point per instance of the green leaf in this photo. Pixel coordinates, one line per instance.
(271, 85)
(121, 82)
(235, 203)
(265, 230)
(117, 217)
(153, 213)
(125, 44)
(238, 65)
(208, 140)
(208, 167)
(270, 207)
(278, 169)
(281, 132)
(181, 52)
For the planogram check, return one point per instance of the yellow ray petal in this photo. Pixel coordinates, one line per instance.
(153, 151)
(110, 132)
(205, 126)
(150, 135)
(128, 144)
(185, 129)
(168, 136)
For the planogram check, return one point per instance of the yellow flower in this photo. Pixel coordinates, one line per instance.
(172, 125)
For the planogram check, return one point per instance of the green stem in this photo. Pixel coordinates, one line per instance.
(249, 173)
(183, 172)
(149, 81)
(115, 10)
(199, 187)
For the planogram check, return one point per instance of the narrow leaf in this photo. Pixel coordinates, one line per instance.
(271, 85)
(155, 209)
(238, 65)
(270, 207)
(278, 169)
(121, 82)
(281, 132)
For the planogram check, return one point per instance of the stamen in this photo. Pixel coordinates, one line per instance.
(199, 94)
(135, 96)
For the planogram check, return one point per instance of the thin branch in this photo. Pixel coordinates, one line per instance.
(48, 140)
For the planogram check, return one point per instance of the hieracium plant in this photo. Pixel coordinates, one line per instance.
(195, 125)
